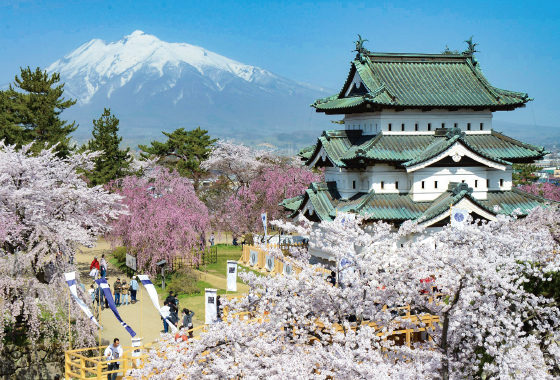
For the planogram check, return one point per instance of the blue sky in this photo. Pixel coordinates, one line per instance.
(308, 41)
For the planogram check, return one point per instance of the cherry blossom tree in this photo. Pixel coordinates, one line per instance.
(252, 182)
(165, 220)
(474, 279)
(546, 190)
(46, 212)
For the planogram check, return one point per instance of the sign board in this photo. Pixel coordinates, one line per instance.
(253, 258)
(131, 261)
(232, 276)
(210, 303)
(269, 263)
(288, 269)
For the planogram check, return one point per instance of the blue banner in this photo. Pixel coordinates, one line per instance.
(102, 282)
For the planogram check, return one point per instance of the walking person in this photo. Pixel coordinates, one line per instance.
(212, 238)
(165, 311)
(103, 266)
(133, 289)
(187, 321)
(94, 268)
(113, 352)
(124, 293)
(117, 291)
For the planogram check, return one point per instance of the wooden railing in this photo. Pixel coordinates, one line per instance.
(208, 255)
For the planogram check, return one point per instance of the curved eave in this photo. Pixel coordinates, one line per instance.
(455, 145)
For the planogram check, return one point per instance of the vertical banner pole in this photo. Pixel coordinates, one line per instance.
(98, 295)
(69, 329)
(141, 310)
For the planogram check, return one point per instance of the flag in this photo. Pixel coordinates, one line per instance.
(102, 282)
(232, 276)
(263, 217)
(154, 297)
(458, 217)
(71, 281)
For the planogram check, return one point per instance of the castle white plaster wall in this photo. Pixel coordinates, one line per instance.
(374, 122)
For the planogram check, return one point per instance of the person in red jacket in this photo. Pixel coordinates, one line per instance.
(94, 264)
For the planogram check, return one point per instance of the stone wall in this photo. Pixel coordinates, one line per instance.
(18, 363)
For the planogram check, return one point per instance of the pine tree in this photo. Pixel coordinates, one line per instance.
(524, 174)
(184, 151)
(31, 111)
(113, 162)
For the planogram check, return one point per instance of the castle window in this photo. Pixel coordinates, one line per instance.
(455, 125)
(353, 184)
(443, 125)
(415, 127)
(481, 126)
(397, 185)
(468, 126)
(463, 181)
(429, 126)
(476, 183)
(435, 184)
(402, 127)
(368, 185)
(389, 127)
(488, 183)
(422, 184)
(501, 182)
(382, 185)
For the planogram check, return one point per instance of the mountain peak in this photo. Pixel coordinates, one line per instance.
(136, 33)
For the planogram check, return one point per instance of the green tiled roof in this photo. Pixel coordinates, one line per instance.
(344, 147)
(419, 81)
(292, 204)
(397, 208)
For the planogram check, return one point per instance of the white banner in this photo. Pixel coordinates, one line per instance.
(269, 263)
(263, 217)
(253, 258)
(287, 269)
(154, 297)
(458, 217)
(71, 281)
(232, 276)
(210, 303)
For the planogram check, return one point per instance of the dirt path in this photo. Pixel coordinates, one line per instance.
(142, 317)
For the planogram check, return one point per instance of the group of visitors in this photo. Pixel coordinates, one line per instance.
(170, 311)
(123, 293)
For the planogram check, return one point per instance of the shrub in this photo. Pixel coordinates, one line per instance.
(184, 282)
(120, 254)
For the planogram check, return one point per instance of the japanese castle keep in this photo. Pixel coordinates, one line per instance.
(417, 140)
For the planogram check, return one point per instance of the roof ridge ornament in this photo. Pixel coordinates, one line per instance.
(360, 48)
(471, 50)
(455, 132)
(462, 187)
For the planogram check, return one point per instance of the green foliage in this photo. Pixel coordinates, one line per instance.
(184, 281)
(113, 162)
(524, 174)
(449, 51)
(545, 288)
(183, 151)
(30, 110)
(120, 254)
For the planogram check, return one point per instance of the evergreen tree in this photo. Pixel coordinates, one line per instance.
(524, 174)
(113, 162)
(184, 151)
(32, 107)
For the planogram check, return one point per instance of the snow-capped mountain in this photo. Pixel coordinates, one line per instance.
(152, 85)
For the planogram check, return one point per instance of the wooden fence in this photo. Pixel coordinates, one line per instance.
(259, 259)
(201, 258)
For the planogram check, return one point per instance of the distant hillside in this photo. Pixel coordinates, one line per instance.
(540, 135)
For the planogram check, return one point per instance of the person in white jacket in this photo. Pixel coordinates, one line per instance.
(113, 352)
